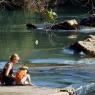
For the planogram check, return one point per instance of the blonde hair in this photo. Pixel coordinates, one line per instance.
(14, 56)
(23, 68)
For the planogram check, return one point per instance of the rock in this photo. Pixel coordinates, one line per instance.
(66, 25)
(31, 26)
(89, 21)
(87, 46)
(76, 47)
(61, 93)
(30, 90)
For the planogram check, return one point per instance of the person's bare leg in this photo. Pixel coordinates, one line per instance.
(26, 79)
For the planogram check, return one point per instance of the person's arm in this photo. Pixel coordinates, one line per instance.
(8, 68)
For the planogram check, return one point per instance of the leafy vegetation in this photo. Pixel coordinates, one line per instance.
(28, 4)
(44, 7)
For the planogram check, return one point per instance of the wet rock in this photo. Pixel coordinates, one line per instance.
(89, 21)
(66, 25)
(31, 26)
(76, 47)
(87, 46)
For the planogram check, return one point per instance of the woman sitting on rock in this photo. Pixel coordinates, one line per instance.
(7, 77)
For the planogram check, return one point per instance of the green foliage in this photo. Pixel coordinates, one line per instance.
(11, 4)
(41, 3)
(41, 9)
(51, 15)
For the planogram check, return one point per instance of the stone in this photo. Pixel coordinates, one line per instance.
(31, 26)
(89, 21)
(87, 46)
(66, 25)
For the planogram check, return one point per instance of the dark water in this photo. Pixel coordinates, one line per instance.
(47, 47)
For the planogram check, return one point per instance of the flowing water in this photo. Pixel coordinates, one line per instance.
(47, 47)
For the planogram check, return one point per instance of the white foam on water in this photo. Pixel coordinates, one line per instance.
(2, 63)
(87, 30)
(83, 89)
(48, 60)
(64, 61)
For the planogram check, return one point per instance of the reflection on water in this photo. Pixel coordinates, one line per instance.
(24, 44)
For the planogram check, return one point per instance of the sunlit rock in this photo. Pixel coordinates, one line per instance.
(87, 46)
(66, 25)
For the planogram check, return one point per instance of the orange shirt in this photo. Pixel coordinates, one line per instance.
(19, 76)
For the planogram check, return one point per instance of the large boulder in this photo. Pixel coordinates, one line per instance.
(87, 46)
(89, 21)
(66, 25)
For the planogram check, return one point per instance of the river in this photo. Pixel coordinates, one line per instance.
(46, 47)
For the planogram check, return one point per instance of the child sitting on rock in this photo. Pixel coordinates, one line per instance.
(22, 76)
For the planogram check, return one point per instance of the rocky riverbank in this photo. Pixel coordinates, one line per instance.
(30, 90)
(87, 46)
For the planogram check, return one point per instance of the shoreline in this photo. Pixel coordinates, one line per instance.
(29, 90)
